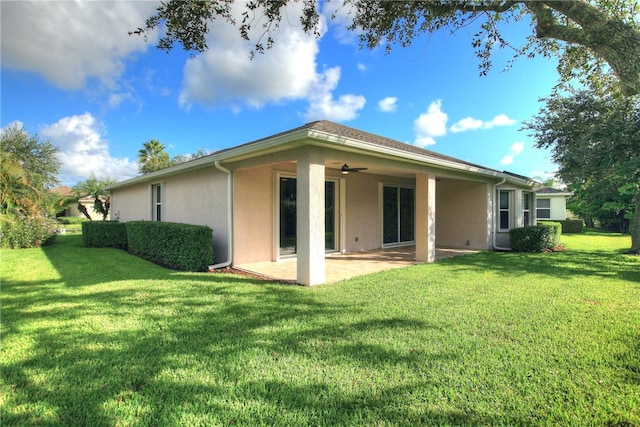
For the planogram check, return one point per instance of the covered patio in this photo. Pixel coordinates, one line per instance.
(347, 265)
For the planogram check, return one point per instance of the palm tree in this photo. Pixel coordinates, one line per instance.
(18, 196)
(152, 156)
(95, 188)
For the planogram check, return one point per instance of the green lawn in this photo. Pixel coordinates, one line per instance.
(96, 337)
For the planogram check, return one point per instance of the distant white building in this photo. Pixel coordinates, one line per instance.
(551, 204)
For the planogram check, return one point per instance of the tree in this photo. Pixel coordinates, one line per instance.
(188, 157)
(28, 168)
(37, 157)
(152, 157)
(95, 188)
(584, 34)
(595, 140)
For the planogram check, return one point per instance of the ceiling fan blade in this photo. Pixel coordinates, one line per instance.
(346, 169)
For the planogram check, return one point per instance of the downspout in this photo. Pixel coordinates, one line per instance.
(494, 232)
(227, 263)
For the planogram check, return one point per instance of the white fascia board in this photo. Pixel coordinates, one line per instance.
(237, 153)
(394, 153)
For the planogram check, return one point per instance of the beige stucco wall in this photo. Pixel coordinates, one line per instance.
(253, 214)
(130, 203)
(197, 197)
(362, 212)
(461, 214)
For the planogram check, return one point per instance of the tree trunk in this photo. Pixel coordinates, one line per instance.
(616, 42)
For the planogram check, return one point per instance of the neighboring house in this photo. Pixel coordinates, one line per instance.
(72, 210)
(551, 204)
(293, 195)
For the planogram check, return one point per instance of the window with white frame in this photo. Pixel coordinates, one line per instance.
(543, 208)
(504, 209)
(156, 202)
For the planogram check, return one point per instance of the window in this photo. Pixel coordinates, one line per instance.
(156, 202)
(505, 210)
(526, 209)
(398, 222)
(543, 208)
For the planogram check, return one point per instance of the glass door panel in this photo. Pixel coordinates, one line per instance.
(287, 216)
(407, 214)
(329, 216)
(398, 215)
(390, 215)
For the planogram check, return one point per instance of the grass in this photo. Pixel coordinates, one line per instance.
(97, 337)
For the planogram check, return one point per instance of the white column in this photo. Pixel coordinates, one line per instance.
(310, 222)
(425, 218)
(517, 209)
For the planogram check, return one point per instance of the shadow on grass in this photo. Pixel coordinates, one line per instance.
(150, 346)
(567, 264)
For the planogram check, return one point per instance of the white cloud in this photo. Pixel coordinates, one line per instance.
(499, 120)
(69, 43)
(227, 75)
(515, 150)
(340, 16)
(323, 106)
(388, 104)
(83, 150)
(469, 123)
(361, 67)
(431, 124)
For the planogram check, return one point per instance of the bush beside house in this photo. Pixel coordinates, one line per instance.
(178, 246)
(104, 234)
(537, 238)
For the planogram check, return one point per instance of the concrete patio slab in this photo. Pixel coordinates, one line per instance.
(344, 266)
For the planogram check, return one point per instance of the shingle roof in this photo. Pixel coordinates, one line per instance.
(549, 190)
(359, 135)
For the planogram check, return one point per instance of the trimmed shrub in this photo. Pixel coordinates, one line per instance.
(173, 245)
(572, 226)
(555, 224)
(104, 234)
(27, 232)
(566, 226)
(537, 238)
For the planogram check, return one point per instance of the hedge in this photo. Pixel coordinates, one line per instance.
(537, 238)
(104, 234)
(572, 226)
(568, 225)
(178, 246)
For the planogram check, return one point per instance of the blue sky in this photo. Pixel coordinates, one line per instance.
(73, 75)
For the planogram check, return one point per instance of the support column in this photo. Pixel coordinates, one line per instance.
(425, 218)
(310, 218)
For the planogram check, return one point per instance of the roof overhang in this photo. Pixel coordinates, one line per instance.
(314, 137)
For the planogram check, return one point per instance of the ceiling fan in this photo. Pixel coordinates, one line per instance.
(345, 169)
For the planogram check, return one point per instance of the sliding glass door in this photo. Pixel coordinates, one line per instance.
(288, 216)
(398, 215)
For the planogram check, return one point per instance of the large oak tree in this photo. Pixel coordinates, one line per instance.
(584, 34)
(595, 140)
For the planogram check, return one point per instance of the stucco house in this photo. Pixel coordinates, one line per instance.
(327, 188)
(551, 204)
(72, 210)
